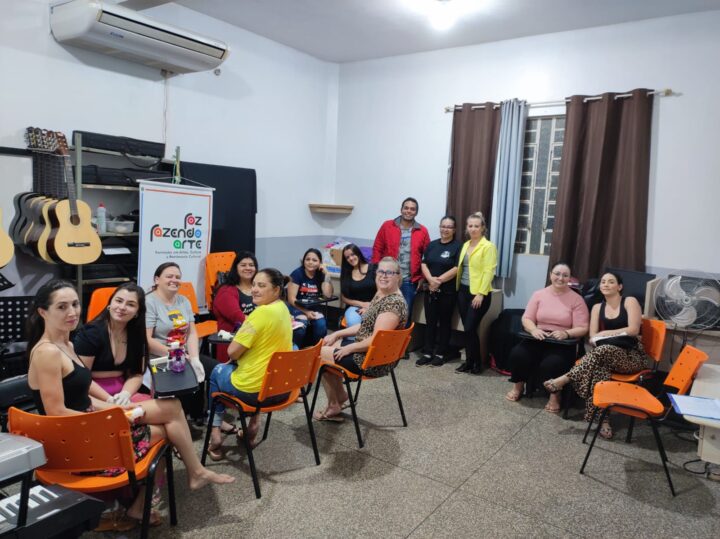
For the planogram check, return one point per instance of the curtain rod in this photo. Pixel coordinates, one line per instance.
(662, 93)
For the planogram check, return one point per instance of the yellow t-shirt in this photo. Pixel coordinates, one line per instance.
(267, 330)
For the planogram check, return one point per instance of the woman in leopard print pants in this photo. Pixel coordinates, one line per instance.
(614, 316)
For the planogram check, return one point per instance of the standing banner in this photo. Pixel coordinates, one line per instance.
(175, 226)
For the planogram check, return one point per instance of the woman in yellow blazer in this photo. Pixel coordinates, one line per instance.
(476, 269)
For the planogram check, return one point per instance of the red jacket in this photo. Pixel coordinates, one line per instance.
(227, 311)
(387, 243)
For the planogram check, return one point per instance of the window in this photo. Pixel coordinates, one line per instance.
(538, 191)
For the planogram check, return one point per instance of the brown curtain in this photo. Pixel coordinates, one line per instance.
(602, 202)
(474, 147)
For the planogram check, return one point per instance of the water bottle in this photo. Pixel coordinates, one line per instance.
(176, 356)
(101, 221)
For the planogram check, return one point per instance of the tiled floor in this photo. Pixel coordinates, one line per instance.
(470, 464)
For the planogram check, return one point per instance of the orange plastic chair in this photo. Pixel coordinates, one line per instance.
(91, 442)
(208, 327)
(637, 402)
(653, 339)
(98, 301)
(214, 263)
(287, 372)
(387, 346)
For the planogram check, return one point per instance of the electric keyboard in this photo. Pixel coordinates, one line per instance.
(40, 511)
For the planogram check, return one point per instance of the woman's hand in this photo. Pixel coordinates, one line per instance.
(331, 339)
(363, 307)
(341, 352)
(314, 315)
(560, 335)
(477, 301)
(539, 334)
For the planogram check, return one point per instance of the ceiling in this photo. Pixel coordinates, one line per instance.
(352, 30)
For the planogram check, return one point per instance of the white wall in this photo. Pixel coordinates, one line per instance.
(273, 109)
(394, 135)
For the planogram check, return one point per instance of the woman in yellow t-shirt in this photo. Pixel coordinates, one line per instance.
(265, 331)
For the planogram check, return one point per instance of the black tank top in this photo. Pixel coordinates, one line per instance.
(621, 321)
(76, 390)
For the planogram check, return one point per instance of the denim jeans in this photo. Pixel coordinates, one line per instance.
(408, 289)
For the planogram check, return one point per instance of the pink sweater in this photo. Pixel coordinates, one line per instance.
(550, 311)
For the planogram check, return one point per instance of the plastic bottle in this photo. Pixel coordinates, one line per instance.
(176, 356)
(101, 221)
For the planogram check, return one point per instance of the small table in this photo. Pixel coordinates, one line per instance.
(215, 339)
(167, 383)
(707, 384)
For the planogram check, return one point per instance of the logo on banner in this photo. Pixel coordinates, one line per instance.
(186, 236)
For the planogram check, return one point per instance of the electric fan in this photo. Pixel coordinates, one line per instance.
(691, 303)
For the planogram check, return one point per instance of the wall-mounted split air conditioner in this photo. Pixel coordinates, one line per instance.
(124, 33)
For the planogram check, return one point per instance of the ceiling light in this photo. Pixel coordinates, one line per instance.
(443, 14)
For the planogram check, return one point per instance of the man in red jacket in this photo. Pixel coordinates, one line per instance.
(404, 239)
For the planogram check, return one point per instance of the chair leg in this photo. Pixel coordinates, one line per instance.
(352, 409)
(628, 438)
(592, 443)
(357, 390)
(317, 387)
(663, 455)
(566, 400)
(397, 394)
(169, 475)
(147, 502)
(208, 431)
(590, 423)
(311, 428)
(267, 426)
(251, 460)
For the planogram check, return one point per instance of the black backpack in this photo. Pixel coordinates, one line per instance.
(503, 336)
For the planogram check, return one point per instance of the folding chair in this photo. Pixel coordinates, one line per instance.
(387, 346)
(653, 339)
(98, 301)
(637, 402)
(93, 442)
(287, 372)
(208, 327)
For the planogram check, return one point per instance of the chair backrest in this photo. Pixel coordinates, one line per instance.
(685, 369)
(188, 290)
(79, 443)
(387, 346)
(215, 262)
(98, 301)
(291, 370)
(653, 338)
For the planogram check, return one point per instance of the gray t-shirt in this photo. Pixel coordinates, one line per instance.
(465, 275)
(404, 253)
(169, 323)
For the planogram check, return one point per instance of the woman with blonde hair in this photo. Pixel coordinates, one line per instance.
(476, 269)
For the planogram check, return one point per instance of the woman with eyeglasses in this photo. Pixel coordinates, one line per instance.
(233, 301)
(439, 267)
(387, 310)
(553, 315)
(476, 270)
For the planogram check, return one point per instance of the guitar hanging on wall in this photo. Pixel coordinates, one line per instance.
(73, 239)
(7, 249)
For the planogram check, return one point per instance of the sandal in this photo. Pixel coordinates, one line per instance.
(606, 431)
(552, 409)
(116, 521)
(513, 396)
(227, 432)
(323, 416)
(155, 519)
(551, 387)
(216, 453)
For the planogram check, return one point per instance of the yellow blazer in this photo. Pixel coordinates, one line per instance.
(483, 261)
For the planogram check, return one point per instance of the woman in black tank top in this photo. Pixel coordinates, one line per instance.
(60, 383)
(615, 316)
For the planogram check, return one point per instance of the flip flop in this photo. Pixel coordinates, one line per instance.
(345, 405)
(606, 431)
(322, 416)
(513, 396)
(228, 432)
(216, 453)
(155, 519)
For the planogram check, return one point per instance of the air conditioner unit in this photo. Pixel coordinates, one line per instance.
(124, 33)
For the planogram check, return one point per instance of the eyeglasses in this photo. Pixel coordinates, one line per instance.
(388, 273)
(563, 275)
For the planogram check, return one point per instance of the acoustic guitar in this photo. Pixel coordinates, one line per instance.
(75, 241)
